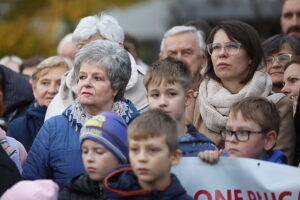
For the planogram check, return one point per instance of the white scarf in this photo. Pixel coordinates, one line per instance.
(215, 100)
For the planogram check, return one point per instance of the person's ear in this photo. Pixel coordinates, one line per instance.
(249, 61)
(270, 140)
(189, 97)
(175, 157)
(115, 93)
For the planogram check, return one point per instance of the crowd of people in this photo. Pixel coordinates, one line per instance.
(96, 122)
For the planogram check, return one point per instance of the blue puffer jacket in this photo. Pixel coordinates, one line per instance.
(55, 153)
(25, 128)
(192, 142)
(123, 184)
(275, 156)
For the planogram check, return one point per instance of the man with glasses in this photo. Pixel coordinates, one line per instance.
(279, 50)
(251, 132)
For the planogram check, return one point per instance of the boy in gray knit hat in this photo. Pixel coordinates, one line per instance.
(104, 146)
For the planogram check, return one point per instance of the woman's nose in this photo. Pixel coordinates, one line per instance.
(285, 90)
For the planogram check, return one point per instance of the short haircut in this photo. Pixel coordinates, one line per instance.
(112, 57)
(183, 29)
(49, 63)
(31, 63)
(105, 25)
(168, 70)
(247, 36)
(154, 123)
(260, 110)
(66, 39)
(295, 60)
(274, 44)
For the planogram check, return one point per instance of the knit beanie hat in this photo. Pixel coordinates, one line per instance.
(32, 190)
(110, 130)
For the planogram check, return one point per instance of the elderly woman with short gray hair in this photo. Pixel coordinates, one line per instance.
(102, 71)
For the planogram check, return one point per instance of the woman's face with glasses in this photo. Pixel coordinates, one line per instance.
(275, 63)
(229, 58)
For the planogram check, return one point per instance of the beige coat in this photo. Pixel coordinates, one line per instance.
(286, 137)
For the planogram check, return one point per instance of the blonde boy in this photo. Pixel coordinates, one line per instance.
(251, 132)
(153, 149)
(168, 84)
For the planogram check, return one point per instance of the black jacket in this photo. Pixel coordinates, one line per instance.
(18, 94)
(25, 128)
(82, 188)
(9, 173)
(297, 130)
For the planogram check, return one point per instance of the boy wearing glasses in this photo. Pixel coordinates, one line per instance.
(251, 132)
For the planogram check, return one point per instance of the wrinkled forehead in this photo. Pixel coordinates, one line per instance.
(290, 6)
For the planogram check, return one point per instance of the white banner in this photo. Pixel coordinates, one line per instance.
(238, 179)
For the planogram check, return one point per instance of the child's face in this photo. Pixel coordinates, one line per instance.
(171, 98)
(252, 148)
(151, 161)
(97, 160)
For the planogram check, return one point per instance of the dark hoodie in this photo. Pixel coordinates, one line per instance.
(18, 94)
(123, 184)
(82, 188)
(25, 128)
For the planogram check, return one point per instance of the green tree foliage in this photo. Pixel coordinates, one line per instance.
(34, 27)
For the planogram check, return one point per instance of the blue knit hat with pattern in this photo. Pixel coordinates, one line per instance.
(110, 130)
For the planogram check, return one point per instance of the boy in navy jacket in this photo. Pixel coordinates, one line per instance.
(153, 149)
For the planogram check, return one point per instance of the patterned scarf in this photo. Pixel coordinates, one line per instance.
(215, 100)
(78, 116)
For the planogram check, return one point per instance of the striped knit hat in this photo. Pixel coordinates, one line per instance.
(110, 130)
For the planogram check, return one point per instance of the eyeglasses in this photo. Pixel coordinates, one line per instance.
(283, 58)
(241, 136)
(231, 48)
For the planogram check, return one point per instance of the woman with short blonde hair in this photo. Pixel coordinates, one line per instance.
(45, 85)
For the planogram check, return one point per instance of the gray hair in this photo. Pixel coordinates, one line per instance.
(105, 25)
(111, 56)
(182, 29)
(49, 63)
(12, 58)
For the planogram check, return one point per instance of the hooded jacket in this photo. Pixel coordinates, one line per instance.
(18, 94)
(81, 188)
(25, 128)
(123, 184)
